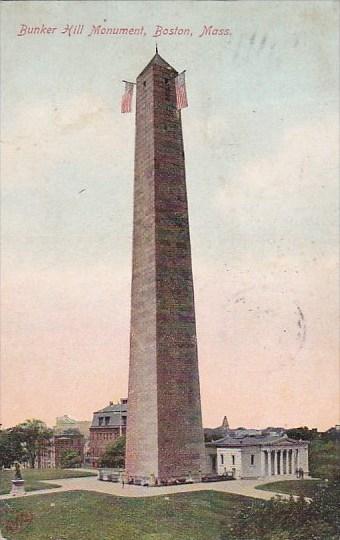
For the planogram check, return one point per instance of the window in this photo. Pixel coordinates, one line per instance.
(233, 460)
(107, 420)
(252, 459)
(144, 84)
(101, 420)
(222, 459)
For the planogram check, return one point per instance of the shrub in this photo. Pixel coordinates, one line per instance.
(70, 459)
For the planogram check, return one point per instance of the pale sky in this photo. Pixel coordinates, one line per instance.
(262, 158)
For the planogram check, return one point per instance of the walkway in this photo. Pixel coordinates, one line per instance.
(91, 483)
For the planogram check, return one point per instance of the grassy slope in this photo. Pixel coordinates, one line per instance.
(32, 478)
(307, 488)
(92, 516)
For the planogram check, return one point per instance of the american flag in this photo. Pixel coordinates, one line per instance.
(181, 93)
(127, 97)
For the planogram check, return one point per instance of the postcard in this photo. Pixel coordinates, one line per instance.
(170, 248)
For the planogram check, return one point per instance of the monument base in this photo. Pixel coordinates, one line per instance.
(152, 481)
(18, 487)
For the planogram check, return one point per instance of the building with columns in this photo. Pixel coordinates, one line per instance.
(257, 456)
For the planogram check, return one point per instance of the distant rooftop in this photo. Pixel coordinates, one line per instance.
(240, 432)
(232, 440)
(65, 420)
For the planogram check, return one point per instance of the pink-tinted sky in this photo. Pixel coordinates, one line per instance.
(261, 143)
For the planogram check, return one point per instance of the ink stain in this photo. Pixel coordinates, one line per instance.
(301, 324)
(263, 42)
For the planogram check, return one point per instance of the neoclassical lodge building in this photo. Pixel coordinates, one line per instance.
(256, 456)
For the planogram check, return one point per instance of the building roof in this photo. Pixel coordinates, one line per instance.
(255, 440)
(158, 61)
(65, 419)
(113, 407)
(115, 412)
(65, 422)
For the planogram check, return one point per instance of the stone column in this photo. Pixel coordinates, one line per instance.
(295, 461)
(281, 462)
(275, 463)
(284, 470)
(262, 462)
(306, 460)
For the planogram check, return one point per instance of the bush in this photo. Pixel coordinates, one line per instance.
(70, 459)
(114, 455)
(324, 459)
(279, 519)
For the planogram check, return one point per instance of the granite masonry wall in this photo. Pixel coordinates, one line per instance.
(164, 430)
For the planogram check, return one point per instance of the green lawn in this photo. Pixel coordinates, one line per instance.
(78, 515)
(33, 478)
(203, 515)
(307, 488)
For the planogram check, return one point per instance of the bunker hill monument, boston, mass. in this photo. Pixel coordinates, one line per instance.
(164, 429)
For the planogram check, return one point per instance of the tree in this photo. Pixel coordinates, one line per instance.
(34, 435)
(303, 433)
(70, 459)
(11, 449)
(114, 455)
(71, 431)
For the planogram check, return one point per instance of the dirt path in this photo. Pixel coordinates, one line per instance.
(238, 487)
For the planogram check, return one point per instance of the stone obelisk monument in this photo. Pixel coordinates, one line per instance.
(164, 428)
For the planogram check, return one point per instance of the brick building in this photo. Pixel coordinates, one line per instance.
(68, 441)
(46, 455)
(50, 453)
(107, 425)
(164, 433)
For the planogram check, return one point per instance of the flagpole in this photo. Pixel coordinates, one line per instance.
(129, 82)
